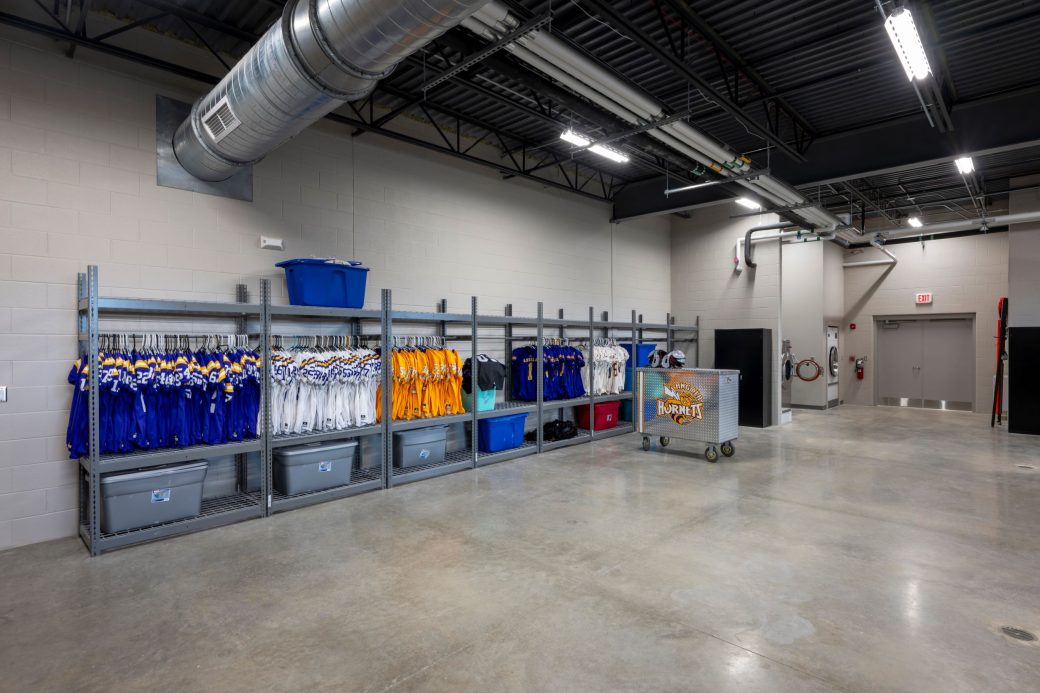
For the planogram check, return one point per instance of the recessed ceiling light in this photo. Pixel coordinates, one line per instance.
(747, 202)
(907, 42)
(915, 222)
(965, 165)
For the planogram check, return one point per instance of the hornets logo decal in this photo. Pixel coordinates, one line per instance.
(683, 402)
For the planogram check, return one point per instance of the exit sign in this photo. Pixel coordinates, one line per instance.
(923, 297)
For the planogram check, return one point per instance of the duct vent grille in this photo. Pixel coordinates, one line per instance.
(220, 121)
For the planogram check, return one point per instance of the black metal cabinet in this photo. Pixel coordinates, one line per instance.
(1024, 380)
(750, 352)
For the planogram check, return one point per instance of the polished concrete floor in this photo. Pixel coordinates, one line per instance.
(862, 549)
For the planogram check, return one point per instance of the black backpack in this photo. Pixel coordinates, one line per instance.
(555, 430)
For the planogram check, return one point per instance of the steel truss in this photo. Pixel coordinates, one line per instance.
(680, 22)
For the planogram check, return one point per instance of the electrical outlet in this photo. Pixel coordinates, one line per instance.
(268, 243)
(3, 393)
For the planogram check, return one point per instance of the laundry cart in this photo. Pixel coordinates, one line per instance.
(696, 404)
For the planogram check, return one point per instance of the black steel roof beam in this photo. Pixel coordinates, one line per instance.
(447, 110)
(560, 96)
(53, 15)
(87, 42)
(127, 27)
(199, 18)
(501, 168)
(620, 22)
(474, 58)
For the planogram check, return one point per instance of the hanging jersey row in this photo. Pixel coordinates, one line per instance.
(166, 397)
(323, 388)
(426, 381)
(609, 362)
(561, 375)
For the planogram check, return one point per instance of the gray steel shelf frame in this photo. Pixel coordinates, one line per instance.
(362, 481)
(216, 512)
(244, 505)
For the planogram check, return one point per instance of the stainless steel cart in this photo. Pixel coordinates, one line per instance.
(696, 404)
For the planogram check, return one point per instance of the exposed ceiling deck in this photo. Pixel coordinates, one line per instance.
(776, 80)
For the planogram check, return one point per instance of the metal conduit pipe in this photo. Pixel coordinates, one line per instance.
(320, 55)
(966, 225)
(892, 259)
(748, 248)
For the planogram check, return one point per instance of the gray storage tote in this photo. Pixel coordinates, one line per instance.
(151, 497)
(313, 467)
(420, 447)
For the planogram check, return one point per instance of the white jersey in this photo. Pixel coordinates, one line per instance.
(323, 390)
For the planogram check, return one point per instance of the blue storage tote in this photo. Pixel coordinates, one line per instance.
(325, 282)
(501, 432)
(485, 400)
(642, 361)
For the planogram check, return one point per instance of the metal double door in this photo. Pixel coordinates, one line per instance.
(928, 363)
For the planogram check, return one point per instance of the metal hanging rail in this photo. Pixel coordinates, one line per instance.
(245, 504)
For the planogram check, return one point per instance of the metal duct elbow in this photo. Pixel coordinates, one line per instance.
(320, 55)
(748, 252)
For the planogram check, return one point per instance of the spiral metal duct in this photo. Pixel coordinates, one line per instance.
(320, 55)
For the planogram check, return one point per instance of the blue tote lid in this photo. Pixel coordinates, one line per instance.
(354, 264)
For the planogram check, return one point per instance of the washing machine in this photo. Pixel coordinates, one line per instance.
(833, 366)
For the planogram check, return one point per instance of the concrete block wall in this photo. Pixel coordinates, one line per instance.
(704, 283)
(1024, 256)
(77, 187)
(966, 275)
(803, 321)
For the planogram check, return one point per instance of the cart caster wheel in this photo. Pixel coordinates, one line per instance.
(664, 441)
(728, 449)
(711, 454)
(646, 444)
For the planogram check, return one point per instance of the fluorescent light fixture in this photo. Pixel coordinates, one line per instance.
(965, 165)
(747, 202)
(575, 139)
(608, 153)
(915, 222)
(582, 141)
(907, 42)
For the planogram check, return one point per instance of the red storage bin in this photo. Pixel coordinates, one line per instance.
(606, 415)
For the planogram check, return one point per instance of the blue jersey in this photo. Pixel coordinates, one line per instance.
(525, 373)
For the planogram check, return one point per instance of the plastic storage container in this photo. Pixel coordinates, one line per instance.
(421, 446)
(485, 400)
(642, 359)
(313, 467)
(151, 497)
(325, 282)
(501, 432)
(606, 415)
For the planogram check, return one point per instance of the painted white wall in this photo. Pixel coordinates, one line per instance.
(77, 187)
(833, 284)
(803, 316)
(966, 275)
(704, 283)
(1024, 258)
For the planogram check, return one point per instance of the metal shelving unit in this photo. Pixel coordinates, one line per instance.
(235, 507)
(364, 478)
(246, 504)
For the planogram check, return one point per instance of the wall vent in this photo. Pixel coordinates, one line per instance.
(220, 121)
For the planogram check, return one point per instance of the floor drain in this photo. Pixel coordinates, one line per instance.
(1025, 466)
(1018, 633)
